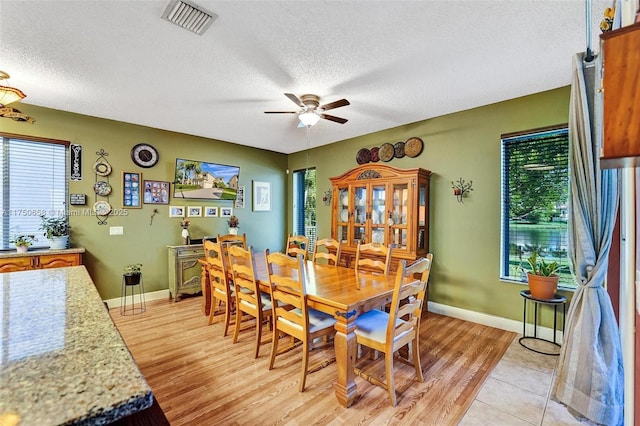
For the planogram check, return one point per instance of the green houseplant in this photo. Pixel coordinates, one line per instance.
(56, 229)
(22, 242)
(132, 273)
(542, 276)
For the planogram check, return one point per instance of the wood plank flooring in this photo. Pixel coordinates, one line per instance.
(201, 378)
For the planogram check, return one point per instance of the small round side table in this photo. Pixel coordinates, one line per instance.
(555, 302)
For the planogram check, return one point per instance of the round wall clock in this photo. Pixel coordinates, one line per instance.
(144, 155)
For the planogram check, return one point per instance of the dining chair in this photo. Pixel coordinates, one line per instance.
(374, 257)
(298, 244)
(387, 332)
(238, 239)
(329, 250)
(249, 299)
(221, 289)
(291, 315)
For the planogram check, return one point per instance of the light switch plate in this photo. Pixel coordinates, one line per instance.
(116, 230)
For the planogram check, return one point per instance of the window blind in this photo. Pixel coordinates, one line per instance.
(535, 189)
(33, 184)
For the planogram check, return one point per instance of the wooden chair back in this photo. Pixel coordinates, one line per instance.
(329, 250)
(220, 286)
(291, 315)
(237, 239)
(378, 257)
(298, 244)
(249, 299)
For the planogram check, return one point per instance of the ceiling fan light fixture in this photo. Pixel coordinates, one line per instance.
(9, 94)
(309, 118)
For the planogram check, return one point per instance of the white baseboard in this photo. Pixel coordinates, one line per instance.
(491, 321)
(154, 295)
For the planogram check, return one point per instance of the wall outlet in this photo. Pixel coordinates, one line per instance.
(116, 230)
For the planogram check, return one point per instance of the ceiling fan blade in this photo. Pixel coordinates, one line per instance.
(296, 100)
(281, 112)
(334, 118)
(336, 104)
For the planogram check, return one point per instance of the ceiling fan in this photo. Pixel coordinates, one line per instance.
(311, 111)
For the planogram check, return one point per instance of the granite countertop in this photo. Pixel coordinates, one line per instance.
(39, 252)
(62, 360)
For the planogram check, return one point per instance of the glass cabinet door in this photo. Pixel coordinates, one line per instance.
(360, 214)
(422, 215)
(342, 221)
(399, 215)
(378, 216)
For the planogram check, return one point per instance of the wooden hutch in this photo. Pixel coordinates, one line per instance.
(379, 203)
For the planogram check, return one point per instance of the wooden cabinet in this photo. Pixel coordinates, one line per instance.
(185, 272)
(621, 84)
(379, 203)
(35, 260)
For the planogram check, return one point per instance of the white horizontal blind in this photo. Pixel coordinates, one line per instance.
(33, 184)
(535, 190)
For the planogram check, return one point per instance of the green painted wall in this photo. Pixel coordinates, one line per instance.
(465, 237)
(143, 241)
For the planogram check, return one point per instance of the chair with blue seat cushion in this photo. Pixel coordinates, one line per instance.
(329, 250)
(373, 257)
(298, 244)
(221, 287)
(249, 299)
(291, 315)
(388, 332)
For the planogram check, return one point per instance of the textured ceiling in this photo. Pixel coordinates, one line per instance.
(397, 62)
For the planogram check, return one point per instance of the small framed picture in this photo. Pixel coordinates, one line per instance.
(131, 190)
(176, 211)
(240, 197)
(261, 196)
(156, 192)
(210, 212)
(194, 211)
(226, 211)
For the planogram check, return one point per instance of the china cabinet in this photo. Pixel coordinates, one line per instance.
(621, 86)
(379, 203)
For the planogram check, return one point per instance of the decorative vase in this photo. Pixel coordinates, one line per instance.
(59, 243)
(233, 231)
(22, 249)
(185, 236)
(542, 287)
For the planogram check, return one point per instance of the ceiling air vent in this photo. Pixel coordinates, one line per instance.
(189, 16)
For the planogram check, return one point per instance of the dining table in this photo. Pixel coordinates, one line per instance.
(344, 293)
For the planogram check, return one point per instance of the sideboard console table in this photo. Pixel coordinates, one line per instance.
(185, 274)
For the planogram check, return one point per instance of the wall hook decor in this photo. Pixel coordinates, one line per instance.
(460, 187)
(326, 198)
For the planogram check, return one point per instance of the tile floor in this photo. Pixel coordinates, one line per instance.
(518, 392)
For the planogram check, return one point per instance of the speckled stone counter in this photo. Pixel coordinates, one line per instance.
(39, 252)
(62, 359)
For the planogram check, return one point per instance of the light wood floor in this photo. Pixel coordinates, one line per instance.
(201, 378)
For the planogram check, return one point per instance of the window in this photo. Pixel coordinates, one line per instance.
(535, 189)
(304, 205)
(33, 183)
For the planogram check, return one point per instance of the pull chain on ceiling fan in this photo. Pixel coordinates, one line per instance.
(311, 111)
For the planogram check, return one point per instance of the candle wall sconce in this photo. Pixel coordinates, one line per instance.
(326, 198)
(460, 187)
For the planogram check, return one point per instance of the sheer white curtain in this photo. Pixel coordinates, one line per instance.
(590, 374)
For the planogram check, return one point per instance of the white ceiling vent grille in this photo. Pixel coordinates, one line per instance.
(189, 16)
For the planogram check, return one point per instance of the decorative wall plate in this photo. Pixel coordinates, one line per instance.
(144, 155)
(386, 152)
(413, 147)
(102, 188)
(363, 156)
(102, 167)
(398, 149)
(102, 208)
(375, 154)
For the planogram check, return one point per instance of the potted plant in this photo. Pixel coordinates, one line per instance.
(23, 242)
(132, 273)
(56, 229)
(234, 224)
(542, 277)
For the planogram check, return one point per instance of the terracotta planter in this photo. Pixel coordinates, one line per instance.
(542, 287)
